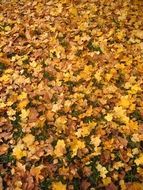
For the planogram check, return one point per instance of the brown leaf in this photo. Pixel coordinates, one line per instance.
(33, 115)
(49, 115)
(1, 184)
(124, 156)
(27, 34)
(123, 141)
(111, 187)
(4, 61)
(3, 149)
(105, 157)
(87, 171)
(84, 185)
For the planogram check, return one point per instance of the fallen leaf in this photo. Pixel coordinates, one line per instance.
(58, 186)
(60, 148)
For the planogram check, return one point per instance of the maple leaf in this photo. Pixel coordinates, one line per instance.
(109, 117)
(60, 148)
(61, 123)
(139, 161)
(28, 139)
(106, 181)
(73, 11)
(103, 171)
(75, 145)
(124, 102)
(95, 141)
(22, 96)
(36, 171)
(24, 114)
(58, 186)
(23, 104)
(18, 151)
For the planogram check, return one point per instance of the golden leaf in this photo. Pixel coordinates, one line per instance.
(124, 102)
(18, 151)
(28, 139)
(60, 148)
(73, 11)
(106, 181)
(109, 117)
(103, 171)
(61, 123)
(24, 114)
(36, 171)
(22, 96)
(139, 161)
(75, 145)
(95, 141)
(23, 104)
(58, 186)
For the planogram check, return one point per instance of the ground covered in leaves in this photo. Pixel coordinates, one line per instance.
(71, 102)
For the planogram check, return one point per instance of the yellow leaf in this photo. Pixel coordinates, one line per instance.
(103, 171)
(121, 114)
(98, 75)
(124, 102)
(108, 76)
(58, 186)
(73, 11)
(139, 34)
(28, 139)
(22, 96)
(24, 114)
(11, 112)
(84, 131)
(7, 28)
(5, 78)
(133, 126)
(18, 151)
(23, 104)
(134, 89)
(75, 145)
(67, 105)
(60, 148)
(61, 123)
(135, 151)
(122, 184)
(2, 105)
(106, 181)
(135, 137)
(1, 17)
(95, 141)
(109, 117)
(139, 161)
(118, 165)
(33, 64)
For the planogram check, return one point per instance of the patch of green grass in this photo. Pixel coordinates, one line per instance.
(93, 178)
(92, 48)
(78, 53)
(75, 113)
(76, 183)
(6, 158)
(88, 119)
(45, 184)
(48, 76)
(2, 67)
(63, 42)
(131, 175)
(137, 115)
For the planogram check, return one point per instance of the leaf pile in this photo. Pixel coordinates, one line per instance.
(71, 104)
